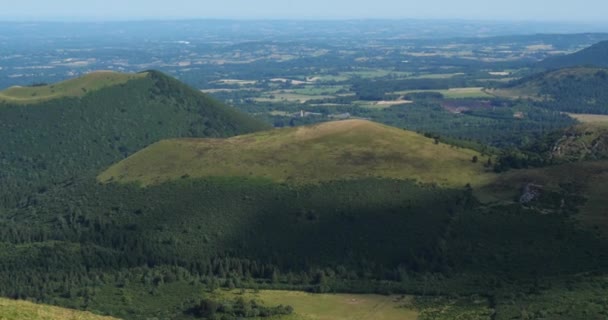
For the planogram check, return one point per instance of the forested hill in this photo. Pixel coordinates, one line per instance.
(577, 90)
(596, 56)
(80, 126)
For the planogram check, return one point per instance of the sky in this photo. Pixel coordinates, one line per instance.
(522, 10)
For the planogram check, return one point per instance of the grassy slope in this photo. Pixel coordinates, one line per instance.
(585, 141)
(590, 118)
(70, 88)
(22, 310)
(323, 152)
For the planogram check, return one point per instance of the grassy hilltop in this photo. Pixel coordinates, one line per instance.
(77, 87)
(330, 151)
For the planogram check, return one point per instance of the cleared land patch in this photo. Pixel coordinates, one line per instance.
(308, 306)
(381, 104)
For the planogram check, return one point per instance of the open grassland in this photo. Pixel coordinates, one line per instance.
(521, 92)
(381, 104)
(22, 310)
(71, 88)
(590, 118)
(455, 93)
(309, 306)
(324, 152)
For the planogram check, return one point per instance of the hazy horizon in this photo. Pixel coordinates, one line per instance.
(585, 11)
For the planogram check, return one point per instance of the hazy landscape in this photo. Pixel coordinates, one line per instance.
(303, 169)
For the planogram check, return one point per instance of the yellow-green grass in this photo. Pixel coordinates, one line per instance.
(309, 306)
(590, 118)
(591, 176)
(522, 92)
(23, 310)
(349, 149)
(237, 82)
(455, 93)
(380, 105)
(70, 88)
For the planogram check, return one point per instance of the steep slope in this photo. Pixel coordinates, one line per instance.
(22, 310)
(588, 141)
(596, 55)
(578, 90)
(51, 140)
(582, 185)
(324, 152)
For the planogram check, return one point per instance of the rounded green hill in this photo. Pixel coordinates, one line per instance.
(76, 87)
(329, 151)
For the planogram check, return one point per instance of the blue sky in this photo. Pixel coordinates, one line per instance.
(535, 10)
